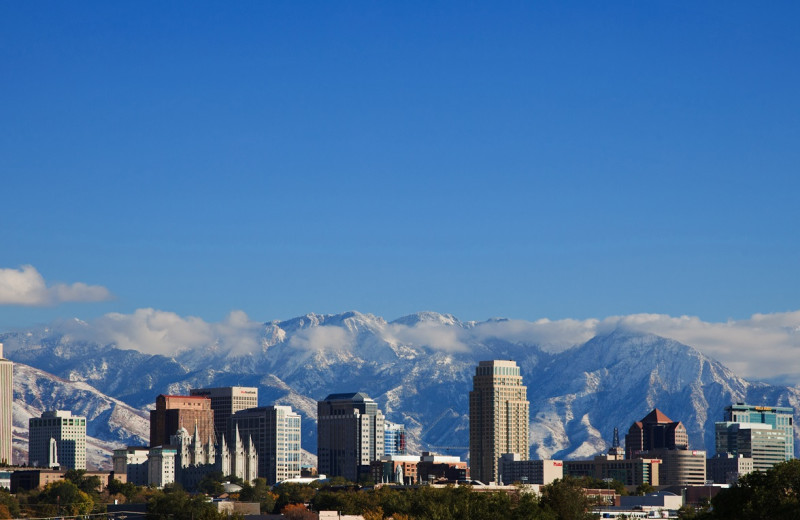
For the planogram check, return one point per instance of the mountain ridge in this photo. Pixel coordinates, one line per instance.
(419, 368)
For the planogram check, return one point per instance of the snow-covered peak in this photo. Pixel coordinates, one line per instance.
(427, 317)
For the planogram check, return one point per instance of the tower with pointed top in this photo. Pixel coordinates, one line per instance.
(655, 431)
(498, 417)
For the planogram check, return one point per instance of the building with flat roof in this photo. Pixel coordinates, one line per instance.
(680, 467)
(57, 439)
(727, 468)
(761, 442)
(132, 462)
(349, 435)
(654, 432)
(174, 412)
(226, 401)
(161, 463)
(498, 417)
(780, 418)
(275, 430)
(515, 470)
(394, 438)
(631, 472)
(6, 405)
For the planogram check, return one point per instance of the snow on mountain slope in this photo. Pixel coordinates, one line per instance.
(110, 422)
(419, 368)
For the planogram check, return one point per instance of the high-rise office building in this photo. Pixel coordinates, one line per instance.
(498, 417)
(174, 412)
(57, 439)
(226, 401)
(6, 402)
(758, 441)
(349, 435)
(394, 439)
(656, 431)
(275, 431)
(780, 418)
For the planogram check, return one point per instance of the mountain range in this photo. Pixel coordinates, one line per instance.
(418, 368)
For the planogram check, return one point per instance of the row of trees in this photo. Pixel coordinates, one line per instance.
(774, 494)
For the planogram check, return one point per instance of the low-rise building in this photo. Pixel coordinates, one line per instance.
(161, 462)
(515, 470)
(631, 472)
(680, 467)
(727, 468)
(132, 462)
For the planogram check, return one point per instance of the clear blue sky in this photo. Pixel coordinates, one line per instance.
(519, 159)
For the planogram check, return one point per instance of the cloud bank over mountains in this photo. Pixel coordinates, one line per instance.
(26, 286)
(764, 346)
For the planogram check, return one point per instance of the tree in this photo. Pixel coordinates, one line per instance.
(176, 504)
(644, 489)
(211, 484)
(62, 498)
(298, 512)
(566, 499)
(10, 502)
(259, 492)
(771, 494)
(290, 493)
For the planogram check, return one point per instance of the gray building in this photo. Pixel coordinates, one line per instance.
(513, 469)
(349, 435)
(727, 468)
(275, 431)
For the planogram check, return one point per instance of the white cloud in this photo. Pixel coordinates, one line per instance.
(764, 346)
(26, 286)
(434, 335)
(323, 337)
(160, 332)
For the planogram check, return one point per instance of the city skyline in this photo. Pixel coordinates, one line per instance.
(527, 161)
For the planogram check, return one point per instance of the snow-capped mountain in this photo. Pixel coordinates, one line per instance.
(419, 369)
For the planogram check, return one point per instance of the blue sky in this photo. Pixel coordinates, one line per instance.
(527, 160)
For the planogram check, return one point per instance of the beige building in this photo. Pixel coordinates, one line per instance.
(6, 403)
(515, 470)
(498, 418)
(680, 467)
(631, 472)
(226, 401)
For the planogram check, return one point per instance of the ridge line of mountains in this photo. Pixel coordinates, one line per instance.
(418, 368)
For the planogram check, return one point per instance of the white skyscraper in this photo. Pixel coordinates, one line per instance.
(6, 402)
(57, 438)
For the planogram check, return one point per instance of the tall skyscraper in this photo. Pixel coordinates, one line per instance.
(349, 435)
(781, 418)
(174, 412)
(654, 432)
(6, 402)
(275, 431)
(57, 438)
(498, 418)
(226, 401)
